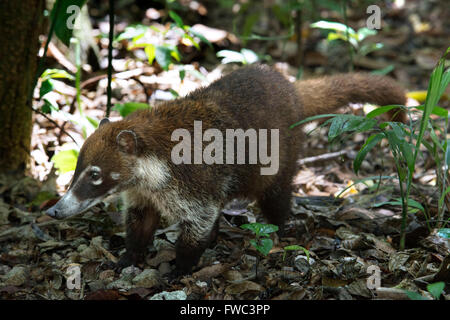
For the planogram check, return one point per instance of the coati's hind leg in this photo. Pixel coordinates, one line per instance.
(195, 236)
(275, 203)
(141, 223)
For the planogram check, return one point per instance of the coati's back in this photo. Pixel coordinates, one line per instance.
(256, 97)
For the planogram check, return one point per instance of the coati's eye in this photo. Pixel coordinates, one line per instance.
(95, 175)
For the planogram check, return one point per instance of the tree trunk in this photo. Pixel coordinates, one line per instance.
(20, 22)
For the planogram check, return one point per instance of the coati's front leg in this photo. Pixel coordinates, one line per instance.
(141, 223)
(195, 236)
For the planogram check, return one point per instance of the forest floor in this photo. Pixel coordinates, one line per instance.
(346, 237)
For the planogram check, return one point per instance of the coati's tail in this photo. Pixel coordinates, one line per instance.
(326, 94)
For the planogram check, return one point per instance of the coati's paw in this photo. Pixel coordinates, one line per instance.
(126, 260)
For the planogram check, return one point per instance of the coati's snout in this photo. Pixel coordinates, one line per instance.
(70, 205)
(99, 171)
(87, 189)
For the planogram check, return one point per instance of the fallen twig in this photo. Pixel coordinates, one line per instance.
(325, 156)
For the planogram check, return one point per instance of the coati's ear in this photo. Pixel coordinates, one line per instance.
(127, 141)
(103, 121)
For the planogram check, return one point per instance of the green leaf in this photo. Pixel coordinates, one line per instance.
(335, 36)
(365, 32)
(132, 32)
(46, 87)
(336, 26)
(414, 295)
(163, 57)
(56, 74)
(129, 107)
(64, 18)
(231, 56)
(444, 82)
(295, 248)
(92, 121)
(182, 73)
(398, 202)
(447, 152)
(369, 47)
(348, 123)
(175, 17)
(384, 71)
(435, 139)
(309, 119)
(201, 37)
(444, 233)
(380, 110)
(65, 160)
(49, 105)
(174, 93)
(363, 180)
(341, 31)
(260, 229)
(438, 82)
(268, 228)
(249, 56)
(436, 289)
(191, 39)
(174, 53)
(252, 227)
(439, 111)
(365, 125)
(441, 199)
(371, 142)
(265, 245)
(150, 51)
(413, 203)
(397, 139)
(336, 126)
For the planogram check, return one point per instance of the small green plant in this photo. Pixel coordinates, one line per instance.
(340, 31)
(435, 289)
(246, 56)
(156, 42)
(262, 241)
(47, 86)
(295, 248)
(404, 141)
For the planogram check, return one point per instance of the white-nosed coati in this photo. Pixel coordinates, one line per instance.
(133, 155)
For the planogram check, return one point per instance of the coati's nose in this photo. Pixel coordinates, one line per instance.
(52, 212)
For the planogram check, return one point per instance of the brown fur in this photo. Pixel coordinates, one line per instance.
(326, 94)
(252, 97)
